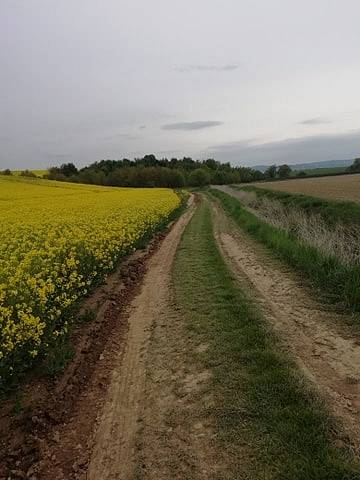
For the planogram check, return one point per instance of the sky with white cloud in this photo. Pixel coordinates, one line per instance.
(246, 81)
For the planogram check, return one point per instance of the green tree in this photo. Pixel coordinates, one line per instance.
(68, 169)
(199, 177)
(271, 172)
(149, 171)
(284, 171)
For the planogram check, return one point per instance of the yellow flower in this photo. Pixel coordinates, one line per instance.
(56, 241)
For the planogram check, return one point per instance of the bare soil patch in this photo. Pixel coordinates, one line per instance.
(312, 333)
(337, 187)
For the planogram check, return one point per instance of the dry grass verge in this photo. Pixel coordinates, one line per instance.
(338, 280)
(339, 240)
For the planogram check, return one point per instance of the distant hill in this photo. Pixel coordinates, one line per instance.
(313, 165)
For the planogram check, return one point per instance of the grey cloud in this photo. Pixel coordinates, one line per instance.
(57, 158)
(315, 121)
(168, 152)
(142, 127)
(293, 150)
(199, 125)
(58, 155)
(207, 68)
(66, 94)
(236, 145)
(123, 136)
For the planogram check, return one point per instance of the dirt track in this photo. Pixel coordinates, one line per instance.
(115, 451)
(314, 335)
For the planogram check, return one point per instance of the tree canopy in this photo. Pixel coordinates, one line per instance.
(149, 171)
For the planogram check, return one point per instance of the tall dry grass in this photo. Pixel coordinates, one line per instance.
(337, 278)
(340, 240)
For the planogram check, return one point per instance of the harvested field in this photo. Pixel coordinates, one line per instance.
(341, 187)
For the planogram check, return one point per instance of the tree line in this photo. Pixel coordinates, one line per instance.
(152, 172)
(284, 171)
(175, 173)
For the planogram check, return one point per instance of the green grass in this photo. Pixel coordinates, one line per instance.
(332, 211)
(268, 423)
(320, 172)
(339, 282)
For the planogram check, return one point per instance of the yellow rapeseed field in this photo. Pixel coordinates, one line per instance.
(38, 173)
(56, 241)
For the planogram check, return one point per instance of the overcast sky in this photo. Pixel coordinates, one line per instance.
(249, 81)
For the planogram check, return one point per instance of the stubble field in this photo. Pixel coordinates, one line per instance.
(339, 187)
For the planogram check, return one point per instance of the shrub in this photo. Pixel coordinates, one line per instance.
(28, 173)
(199, 178)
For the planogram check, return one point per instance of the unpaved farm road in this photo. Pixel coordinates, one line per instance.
(115, 450)
(314, 336)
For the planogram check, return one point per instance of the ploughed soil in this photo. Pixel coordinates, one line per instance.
(313, 333)
(83, 424)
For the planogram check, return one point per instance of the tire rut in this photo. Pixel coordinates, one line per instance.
(326, 352)
(115, 438)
